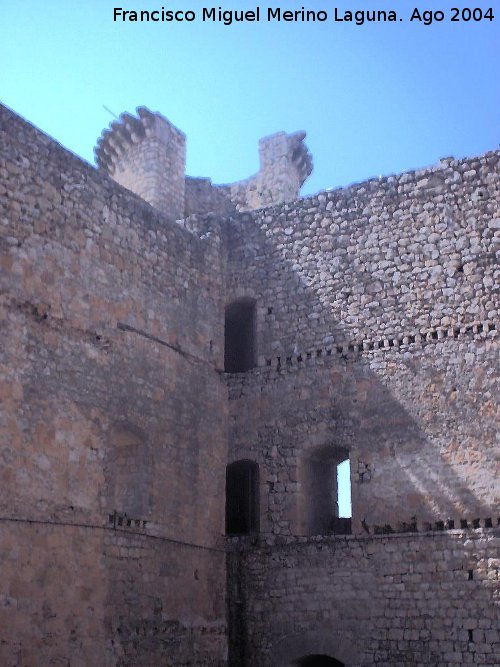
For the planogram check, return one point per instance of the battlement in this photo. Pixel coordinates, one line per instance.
(288, 149)
(147, 155)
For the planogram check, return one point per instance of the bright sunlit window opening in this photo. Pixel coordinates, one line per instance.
(344, 489)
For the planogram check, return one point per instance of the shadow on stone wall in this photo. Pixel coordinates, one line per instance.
(405, 411)
(414, 417)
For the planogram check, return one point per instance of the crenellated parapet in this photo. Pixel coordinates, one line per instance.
(147, 154)
(115, 142)
(286, 156)
(285, 164)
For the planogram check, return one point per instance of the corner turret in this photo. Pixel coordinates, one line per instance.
(147, 155)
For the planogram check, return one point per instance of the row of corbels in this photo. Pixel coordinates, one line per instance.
(419, 338)
(417, 526)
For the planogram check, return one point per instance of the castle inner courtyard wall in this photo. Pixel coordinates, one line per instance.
(113, 421)
(377, 333)
(374, 315)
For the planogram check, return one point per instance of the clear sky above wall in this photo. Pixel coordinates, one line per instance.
(374, 99)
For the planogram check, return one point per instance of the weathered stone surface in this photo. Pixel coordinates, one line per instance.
(113, 421)
(389, 600)
(376, 320)
(147, 155)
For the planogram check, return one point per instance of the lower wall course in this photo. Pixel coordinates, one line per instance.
(381, 600)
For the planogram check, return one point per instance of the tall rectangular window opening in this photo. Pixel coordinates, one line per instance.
(239, 336)
(242, 498)
(344, 489)
(325, 503)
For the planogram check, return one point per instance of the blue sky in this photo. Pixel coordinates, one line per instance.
(374, 99)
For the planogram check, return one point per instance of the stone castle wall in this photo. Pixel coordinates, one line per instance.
(430, 599)
(376, 334)
(113, 422)
(203, 196)
(86, 594)
(383, 260)
(376, 326)
(377, 321)
(419, 431)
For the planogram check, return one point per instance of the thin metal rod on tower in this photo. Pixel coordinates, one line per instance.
(109, 111)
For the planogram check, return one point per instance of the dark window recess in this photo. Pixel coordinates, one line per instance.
(323, 499)
(239, 336)
(242, 498)
(319, 660)
(341, 525)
